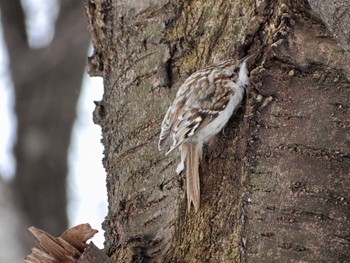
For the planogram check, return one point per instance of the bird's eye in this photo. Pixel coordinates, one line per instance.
(236, 70)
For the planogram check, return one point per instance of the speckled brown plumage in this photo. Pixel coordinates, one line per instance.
(203, 105)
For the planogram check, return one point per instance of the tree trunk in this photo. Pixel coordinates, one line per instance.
(11, 222)
(47, 85)
(274, 186)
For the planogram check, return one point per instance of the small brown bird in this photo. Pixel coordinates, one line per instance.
(203, 105)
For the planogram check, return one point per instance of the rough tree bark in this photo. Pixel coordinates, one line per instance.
(336, 16)
(275, 186)
(47, 84)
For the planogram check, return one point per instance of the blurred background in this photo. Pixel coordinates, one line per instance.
(51, 173)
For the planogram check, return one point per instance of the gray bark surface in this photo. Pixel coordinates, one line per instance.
(275, 183)
(335, 14)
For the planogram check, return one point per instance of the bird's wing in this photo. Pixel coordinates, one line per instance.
(197, 104)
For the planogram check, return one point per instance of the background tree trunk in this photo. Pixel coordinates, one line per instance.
(275, 186)
(11, 221)
(47, 84)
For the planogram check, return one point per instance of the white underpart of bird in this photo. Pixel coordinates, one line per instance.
(203, 105)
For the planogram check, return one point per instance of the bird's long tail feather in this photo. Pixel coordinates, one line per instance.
(192, 176)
